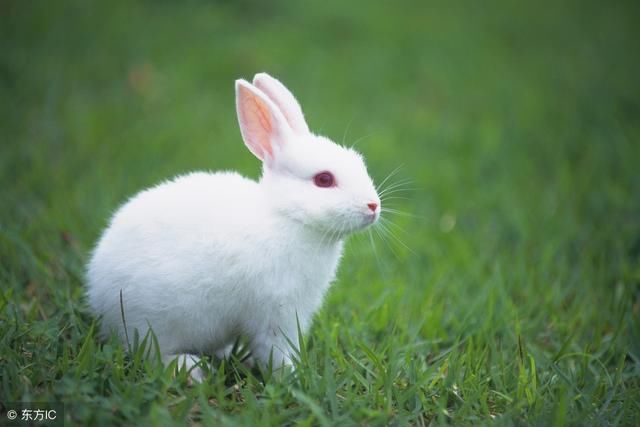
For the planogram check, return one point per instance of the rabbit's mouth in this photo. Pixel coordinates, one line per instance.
(372, 213)
(366, 219)
(336, 223)
(363, 221)
(372, 218)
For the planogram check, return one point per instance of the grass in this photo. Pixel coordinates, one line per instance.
(516, 298)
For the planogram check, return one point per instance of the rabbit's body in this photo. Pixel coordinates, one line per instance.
(187, 256)
(208, 257)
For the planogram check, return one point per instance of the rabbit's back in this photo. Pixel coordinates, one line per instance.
(172, 247)
(188, 214)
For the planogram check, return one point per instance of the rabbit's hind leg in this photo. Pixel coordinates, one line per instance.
(189, 362)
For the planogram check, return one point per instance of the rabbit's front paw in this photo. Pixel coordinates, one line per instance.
(272, 347)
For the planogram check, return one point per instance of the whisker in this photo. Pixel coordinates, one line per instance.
(362, 138)
(389, 223)
(397, 190)
(379, 262)
(373, 246)
(393, 172)
(393, 188)
(382, 199)
(399, 183)
(346, 131)
(396, 238)
(402, 213)
(386, 242)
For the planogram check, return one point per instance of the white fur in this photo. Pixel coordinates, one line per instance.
(207, 257)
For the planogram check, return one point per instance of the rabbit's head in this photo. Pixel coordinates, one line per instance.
(309, 178)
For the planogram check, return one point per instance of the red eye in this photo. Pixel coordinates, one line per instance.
(324, 179)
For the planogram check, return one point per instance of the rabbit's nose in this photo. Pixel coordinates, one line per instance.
(372, 206)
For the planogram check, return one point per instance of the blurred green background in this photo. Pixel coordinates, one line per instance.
(513, 296)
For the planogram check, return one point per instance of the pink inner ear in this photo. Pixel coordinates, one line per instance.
(265, 121)
(257, 123)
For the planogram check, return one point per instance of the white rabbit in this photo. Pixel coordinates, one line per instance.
(207, 257)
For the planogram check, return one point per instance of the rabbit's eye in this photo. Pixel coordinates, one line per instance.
(324, 179)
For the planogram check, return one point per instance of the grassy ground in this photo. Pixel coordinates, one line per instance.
(516, 299)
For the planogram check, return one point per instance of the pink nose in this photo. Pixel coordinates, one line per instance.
(372, 206)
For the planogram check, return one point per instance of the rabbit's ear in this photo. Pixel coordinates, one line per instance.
(263, 127)
(284, 99)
